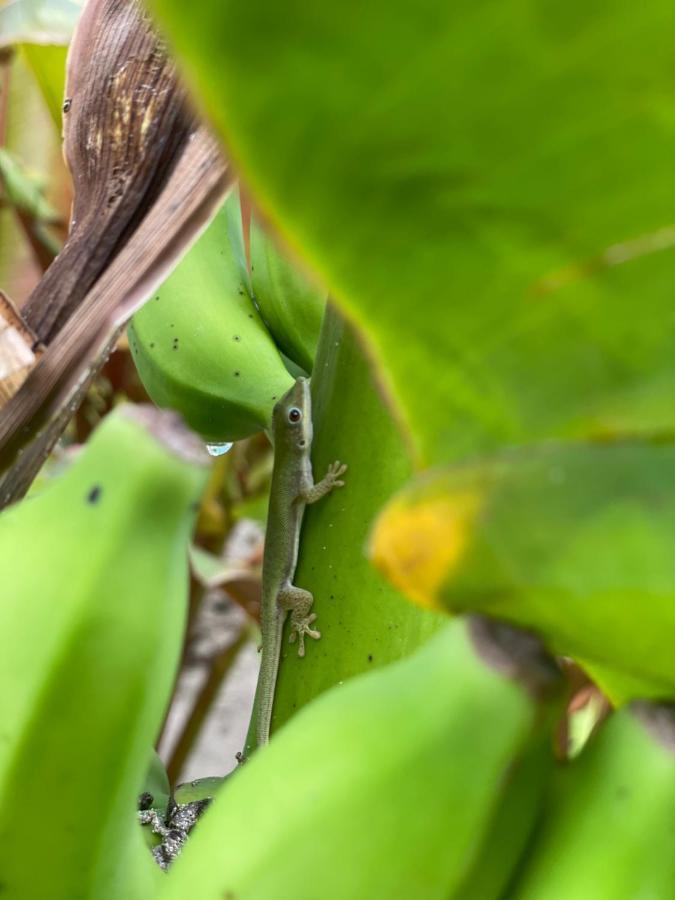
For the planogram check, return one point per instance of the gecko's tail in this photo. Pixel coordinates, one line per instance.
(263, 703)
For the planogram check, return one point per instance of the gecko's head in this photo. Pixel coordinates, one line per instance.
(292, 417)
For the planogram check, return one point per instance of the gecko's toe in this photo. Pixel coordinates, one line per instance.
(301, 629)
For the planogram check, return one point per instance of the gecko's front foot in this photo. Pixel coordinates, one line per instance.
(300, 628)
(334, 474)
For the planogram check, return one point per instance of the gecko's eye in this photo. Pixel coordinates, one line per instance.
(294, 414)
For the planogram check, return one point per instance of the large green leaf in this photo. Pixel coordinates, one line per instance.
(607, 831)
(573, 541)
(486, 187)
(94, 575)
(384, 787)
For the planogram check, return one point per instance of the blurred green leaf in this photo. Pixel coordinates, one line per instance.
(94, 573)
(38, 21)
(572, 541)
(385, 786)
(23, 191)
(48, 65)
(252, 508)
(607, 832)
(485, 187)
(25, 195)
(21, 256)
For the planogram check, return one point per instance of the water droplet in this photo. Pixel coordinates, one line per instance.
(219, 449)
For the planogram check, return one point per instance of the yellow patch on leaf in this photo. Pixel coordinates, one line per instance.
(416, 545)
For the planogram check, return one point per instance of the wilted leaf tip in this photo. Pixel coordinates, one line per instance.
(416, 544)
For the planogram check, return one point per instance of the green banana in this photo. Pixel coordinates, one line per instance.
(608, 830)
(94, 575)
(200, 345)
(512, 823)
(382, 787)
(291, 306)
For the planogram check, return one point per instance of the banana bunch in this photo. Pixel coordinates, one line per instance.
(291, 306)
(608, 831)
(400, 783)
(201, 345)
(94, 575)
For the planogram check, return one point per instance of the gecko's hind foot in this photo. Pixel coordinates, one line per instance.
(301, 628)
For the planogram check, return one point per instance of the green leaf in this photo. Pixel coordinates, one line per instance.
(384, 787)
(607, 832)
(94, 574)
(157, 785)
(573, 541)
(38, 21)
(48, 65)
(483, 186)
(23, 191)
(200, 789)
(25, 195)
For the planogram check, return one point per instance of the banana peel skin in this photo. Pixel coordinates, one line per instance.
(383, 787)
(291, 306)
(201, 346)
(94, 574)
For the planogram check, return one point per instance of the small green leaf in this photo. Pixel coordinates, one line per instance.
(23, 191)
(200, 789)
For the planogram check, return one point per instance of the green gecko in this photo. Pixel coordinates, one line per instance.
(292, 489)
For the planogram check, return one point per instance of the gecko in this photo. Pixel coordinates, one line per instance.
(292, 489)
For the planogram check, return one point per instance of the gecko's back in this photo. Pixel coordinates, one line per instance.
(292, 435)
